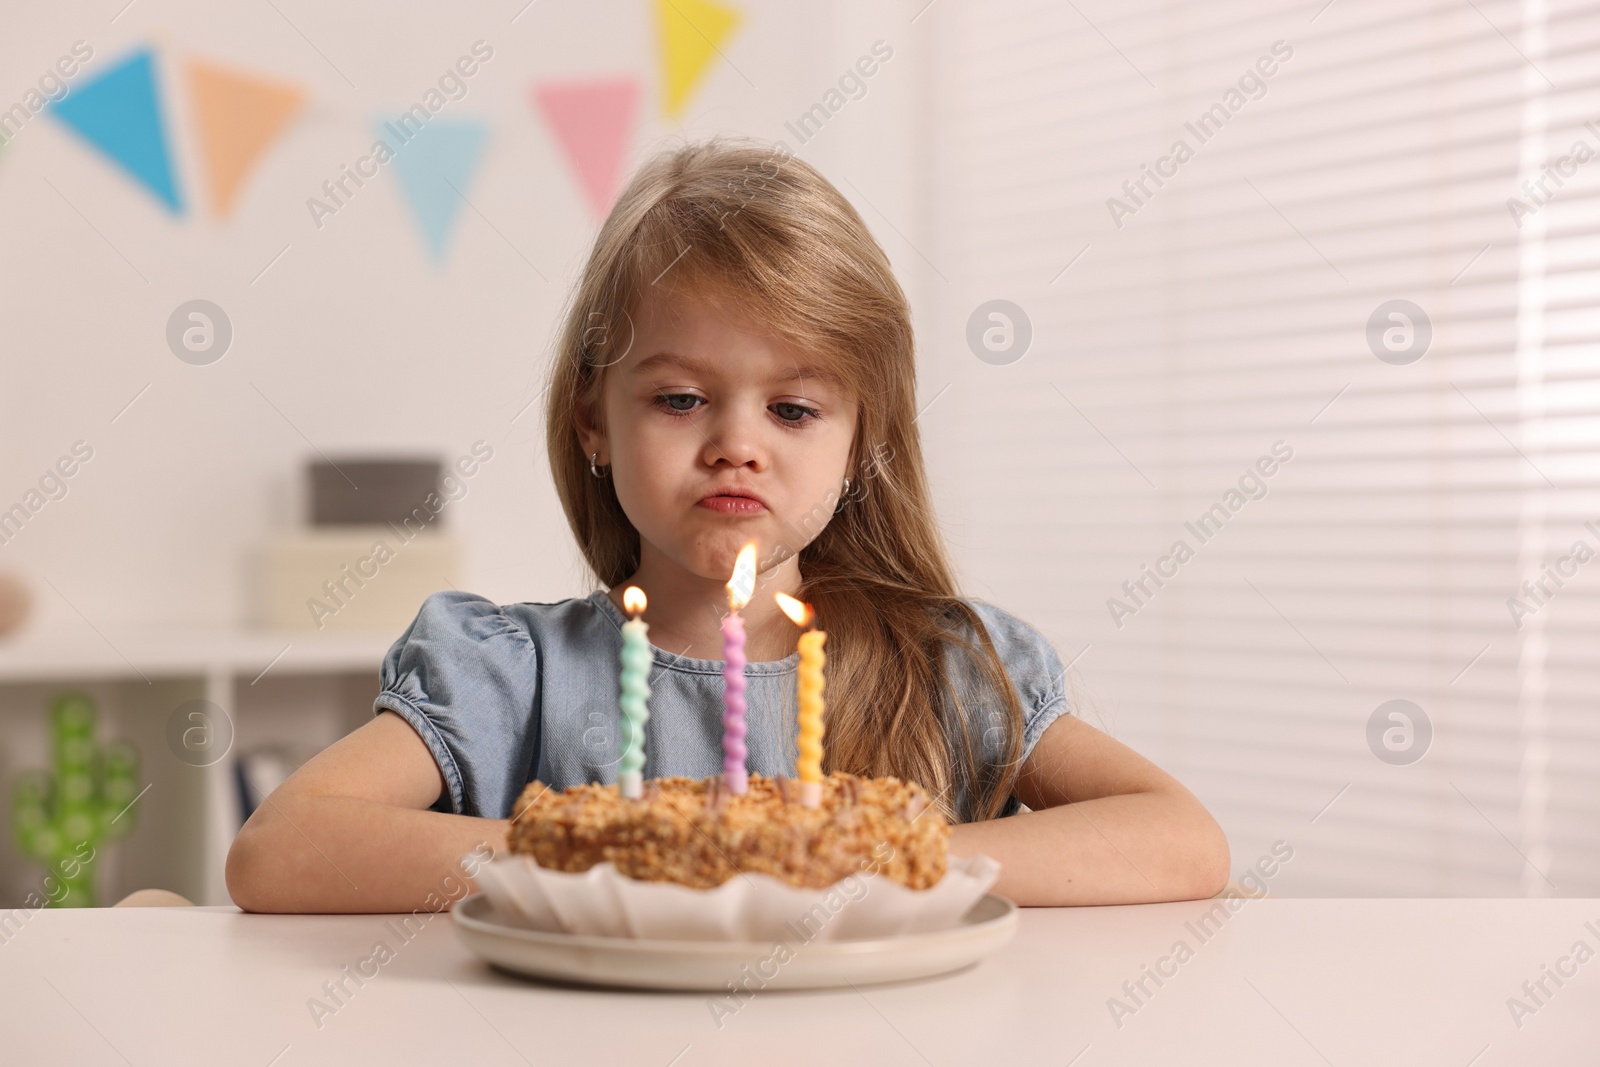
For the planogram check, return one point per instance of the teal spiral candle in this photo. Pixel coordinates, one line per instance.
(635, 692)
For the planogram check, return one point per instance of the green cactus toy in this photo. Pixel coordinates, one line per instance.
(60, 819)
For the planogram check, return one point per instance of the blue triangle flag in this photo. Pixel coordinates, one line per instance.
(119, 113)
(435, 166)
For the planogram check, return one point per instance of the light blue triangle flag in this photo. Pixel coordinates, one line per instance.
(435, 167)
(119, 113)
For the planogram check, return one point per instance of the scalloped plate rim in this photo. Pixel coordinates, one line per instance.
(994, 925)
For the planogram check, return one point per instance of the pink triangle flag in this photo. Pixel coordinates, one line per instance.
(593, 120)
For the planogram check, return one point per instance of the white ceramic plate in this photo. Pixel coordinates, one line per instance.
(710, 965)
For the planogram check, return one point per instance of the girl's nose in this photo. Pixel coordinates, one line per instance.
(733, 436)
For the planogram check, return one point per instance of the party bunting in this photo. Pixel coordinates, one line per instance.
(594, 122)
(120, 114)
(239, 116)
(435, 166)
(691, 33)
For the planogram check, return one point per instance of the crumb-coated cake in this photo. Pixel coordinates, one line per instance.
(694, 832)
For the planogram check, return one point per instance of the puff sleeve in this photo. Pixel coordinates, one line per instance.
(465, 675)
(1036, 672)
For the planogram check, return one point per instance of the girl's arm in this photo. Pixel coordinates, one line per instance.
(1107, 827)
(349, 832)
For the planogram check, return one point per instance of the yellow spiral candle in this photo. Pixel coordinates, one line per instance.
(812, 660)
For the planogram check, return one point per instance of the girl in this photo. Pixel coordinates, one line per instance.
(737, 363)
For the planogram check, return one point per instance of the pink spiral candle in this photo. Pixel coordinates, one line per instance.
(733, 724)
(740, 588)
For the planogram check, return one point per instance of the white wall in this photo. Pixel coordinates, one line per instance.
(354, 334)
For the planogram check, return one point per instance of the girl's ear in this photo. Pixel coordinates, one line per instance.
(589, 435)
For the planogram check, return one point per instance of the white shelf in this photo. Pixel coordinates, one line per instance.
(314, 687)
(125, 652)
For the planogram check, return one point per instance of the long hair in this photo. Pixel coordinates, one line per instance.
(746, 220)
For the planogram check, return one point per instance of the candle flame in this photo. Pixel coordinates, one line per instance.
(799, 612)
(742, 586)
(633, 599)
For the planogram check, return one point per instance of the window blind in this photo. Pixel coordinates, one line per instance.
(1190, 331)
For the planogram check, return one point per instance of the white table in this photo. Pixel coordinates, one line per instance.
(1282, 982)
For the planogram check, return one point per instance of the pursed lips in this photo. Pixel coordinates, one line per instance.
(728, 503)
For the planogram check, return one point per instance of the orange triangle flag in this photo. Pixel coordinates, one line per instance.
(239, 116)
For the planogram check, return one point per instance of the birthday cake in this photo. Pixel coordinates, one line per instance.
(694, 832)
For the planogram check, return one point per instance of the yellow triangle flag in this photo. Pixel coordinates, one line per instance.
(239, 116)
(691, 33)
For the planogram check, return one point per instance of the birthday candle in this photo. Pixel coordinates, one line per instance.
(740, 588)
(635, 689)
(812, 661)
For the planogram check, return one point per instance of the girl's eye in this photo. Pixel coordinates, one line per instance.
(794, 414)
(665, 401)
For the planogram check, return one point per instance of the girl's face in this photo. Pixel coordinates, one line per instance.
(703, 402)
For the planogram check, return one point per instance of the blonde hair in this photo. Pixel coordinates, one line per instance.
(743, 220)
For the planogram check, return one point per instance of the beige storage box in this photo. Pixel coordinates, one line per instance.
(366, 578)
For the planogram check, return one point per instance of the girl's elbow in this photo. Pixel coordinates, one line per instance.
(1213, 872)
(1200, 857)
(241, 873)
(1210, 864)
(250, 870)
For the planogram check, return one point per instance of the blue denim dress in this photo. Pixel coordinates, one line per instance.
(503, 694)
